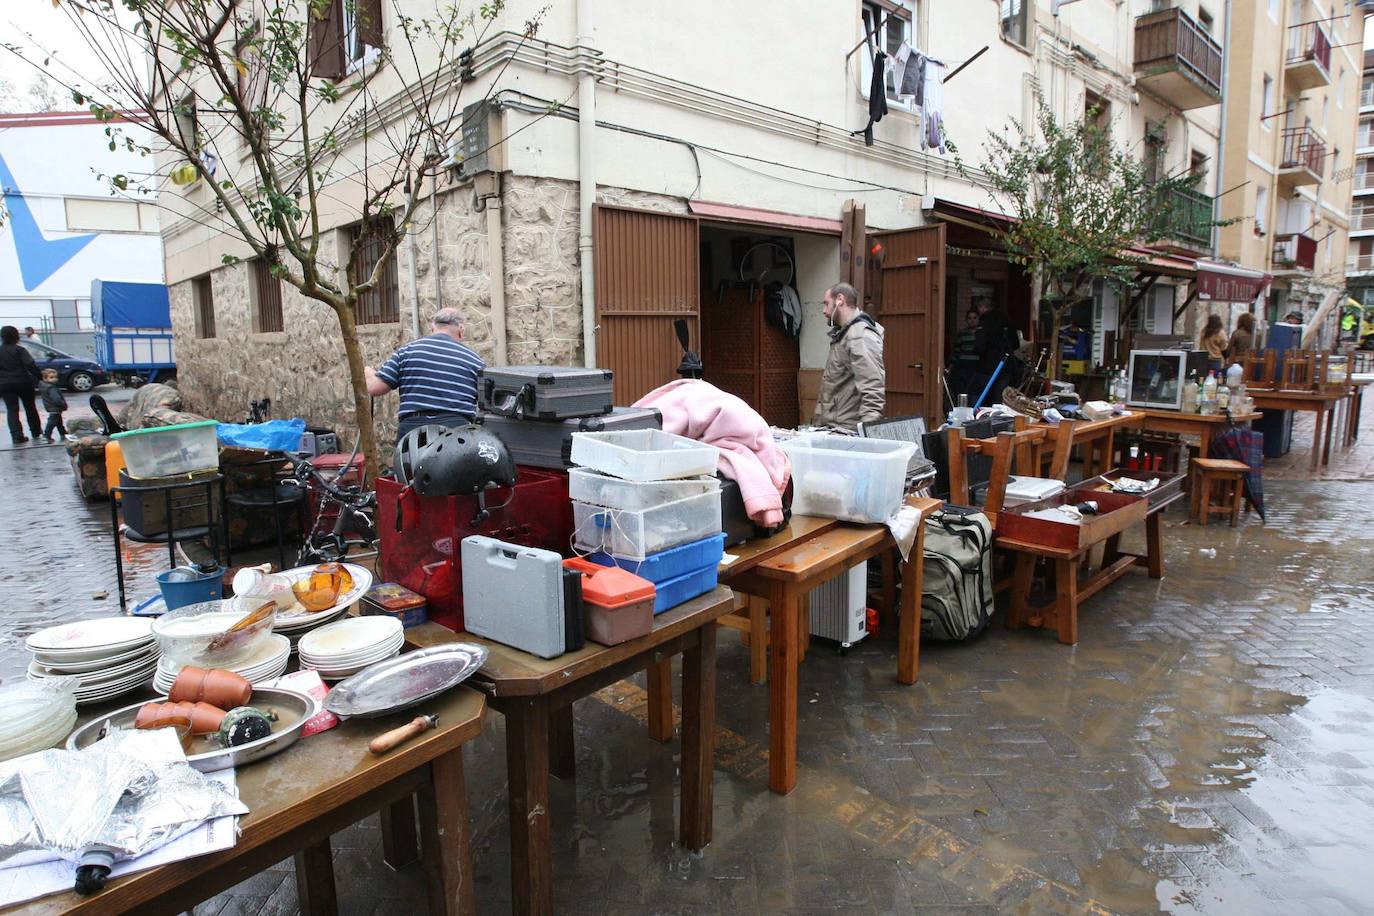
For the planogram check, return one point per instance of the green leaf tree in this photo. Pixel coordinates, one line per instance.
(275, 106)
(1078, 206)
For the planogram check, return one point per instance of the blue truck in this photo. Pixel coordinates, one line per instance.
(133, 323)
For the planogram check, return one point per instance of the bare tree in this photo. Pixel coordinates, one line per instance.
(289, 88)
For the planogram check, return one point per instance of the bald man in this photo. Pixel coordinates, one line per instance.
(436, 375)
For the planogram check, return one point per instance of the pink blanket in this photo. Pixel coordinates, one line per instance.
(749, 456)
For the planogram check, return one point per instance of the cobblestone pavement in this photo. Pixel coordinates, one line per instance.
(1208, 747)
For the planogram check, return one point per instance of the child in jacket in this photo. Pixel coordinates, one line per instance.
(54, 402)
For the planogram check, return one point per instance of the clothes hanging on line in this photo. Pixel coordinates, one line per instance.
(932, 107)
(909, 72)
(877, 95)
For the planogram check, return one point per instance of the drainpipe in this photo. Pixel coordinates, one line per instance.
(1221, 141)
(586, 171)
(434, 238)
(488, 194)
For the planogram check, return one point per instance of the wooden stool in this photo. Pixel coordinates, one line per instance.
(1208, 472)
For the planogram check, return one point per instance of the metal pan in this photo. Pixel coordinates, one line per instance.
(293, 710)
(405, 680)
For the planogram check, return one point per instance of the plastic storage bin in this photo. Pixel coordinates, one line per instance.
(684, 588)
(847, 477)
(165, 451)
(617, 605)
(639, 533)
(673, 563)
(597, 489)
(644, 454)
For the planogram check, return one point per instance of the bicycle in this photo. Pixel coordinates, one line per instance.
(354, 525)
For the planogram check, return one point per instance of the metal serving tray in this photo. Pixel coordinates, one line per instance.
(405, 680)
(293, 710)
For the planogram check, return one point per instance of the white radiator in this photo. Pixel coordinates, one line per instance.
(838, 607)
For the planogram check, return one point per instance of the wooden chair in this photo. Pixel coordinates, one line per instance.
(1025, 450)
(1297, 371)
(1218, 474)
(1261, 370)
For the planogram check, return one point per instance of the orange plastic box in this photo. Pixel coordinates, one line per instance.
(617, 605)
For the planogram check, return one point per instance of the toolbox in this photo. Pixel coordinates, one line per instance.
(519, 596)
(545, 392)
(617, 605)
(548, 444)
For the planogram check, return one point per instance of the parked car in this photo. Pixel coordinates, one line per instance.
(73, 372)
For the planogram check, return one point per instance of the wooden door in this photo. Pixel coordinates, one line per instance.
(647, 277)
(908, 301)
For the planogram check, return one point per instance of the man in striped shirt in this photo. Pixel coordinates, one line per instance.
(436, 375)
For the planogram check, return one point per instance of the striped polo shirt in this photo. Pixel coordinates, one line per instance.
(434, 373)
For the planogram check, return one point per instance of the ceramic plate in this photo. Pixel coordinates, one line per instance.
(349, 637)
(103, 635)
(339, 659)
(59, 666)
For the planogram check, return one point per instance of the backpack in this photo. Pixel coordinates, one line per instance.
(957, 601)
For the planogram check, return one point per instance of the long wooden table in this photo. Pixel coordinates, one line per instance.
(1204, 426)
(1097, 438)
(536, 695)
(317, 787)
(1320, 404)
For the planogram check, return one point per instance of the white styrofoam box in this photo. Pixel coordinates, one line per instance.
(644, 454)
(513, 595)
(848, 477)
(637, 534)
(1031, 489)
(597, 489)
(165, 451)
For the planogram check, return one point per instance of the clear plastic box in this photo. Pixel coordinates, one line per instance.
(644, 454)
(165, 451)
(588, 486)
(636, 534)
(848, 477)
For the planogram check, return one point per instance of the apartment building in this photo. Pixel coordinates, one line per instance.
(648, 163)
(1290, 144)
(1359, 265)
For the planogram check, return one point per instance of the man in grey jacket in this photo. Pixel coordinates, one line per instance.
(853, 385)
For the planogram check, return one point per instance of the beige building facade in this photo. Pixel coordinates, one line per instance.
(650, 163)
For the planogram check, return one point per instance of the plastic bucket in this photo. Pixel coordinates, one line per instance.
(205, 587)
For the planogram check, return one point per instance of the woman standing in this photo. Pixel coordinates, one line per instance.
(1242, 338)
(18, 379)
(1213, 340)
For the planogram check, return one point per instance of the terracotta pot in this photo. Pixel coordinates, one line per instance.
(204, 719)
(220, 688)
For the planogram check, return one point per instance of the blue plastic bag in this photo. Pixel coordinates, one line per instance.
(274, 435)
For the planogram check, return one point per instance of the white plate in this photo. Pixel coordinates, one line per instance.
(345, 658)
(356, 634)
(352, 661)
(338, 674)
(102, 636)
(362, 581)
(57, 663)
(276, 647)
(304, 625)
(89, 678)
(105, 692)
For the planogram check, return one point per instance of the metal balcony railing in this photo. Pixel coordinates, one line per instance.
(1367, 98)
(1171, 36)
(1360, 263)
(1364, 137)
(1186, 216)
(1309, 42)
(1362, 221)
(1303, 149)
(1296, 250)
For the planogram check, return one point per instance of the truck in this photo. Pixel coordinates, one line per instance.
(133, 340)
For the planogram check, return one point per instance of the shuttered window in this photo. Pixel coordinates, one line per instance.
(266, 299)
(340, 35)
(204, 298)
(381, 304)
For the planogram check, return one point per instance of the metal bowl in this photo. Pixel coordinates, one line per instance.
(293, 711)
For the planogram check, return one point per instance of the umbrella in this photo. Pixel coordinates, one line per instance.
(1246, 446)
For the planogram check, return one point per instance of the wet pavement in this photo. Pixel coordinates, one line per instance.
(1208, 747)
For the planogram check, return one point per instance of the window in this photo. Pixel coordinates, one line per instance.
(1340, 89)
(1267, 102)
(251, 76)
(1016, 20)
(1326, 113)
(1365, 137)
(1261, 210)
(1156, 144)
(187, 123)
(893, 24)
(1362, 215)
(1197, 167)
(343, 36)
(266, 298)
(102, 215)
(1204, 19)
(1367, 92)
(1097, 110)
(204, 300)
(381, 304)
(1274, 10)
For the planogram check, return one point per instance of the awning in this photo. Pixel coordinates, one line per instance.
(729, 213)
(970, 216)
(1152, 262)
(1220, 282)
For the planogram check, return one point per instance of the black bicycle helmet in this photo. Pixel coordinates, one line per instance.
(462, 461)
(411, 446)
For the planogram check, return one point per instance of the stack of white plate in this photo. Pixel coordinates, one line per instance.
(347, 647)
(108, 655)
(34, 717)
(295, 624)
(261, 666)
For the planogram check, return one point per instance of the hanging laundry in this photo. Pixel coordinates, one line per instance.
(877, 95)
(932, 108)
(909, 72)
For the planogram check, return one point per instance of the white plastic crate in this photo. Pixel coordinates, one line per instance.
(848, 477)
(165, 451)
(637, 534)
(597, 489)
(644, 454)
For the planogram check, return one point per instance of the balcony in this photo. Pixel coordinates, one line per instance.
(1294, 253)
(1361, 221)
(1364, 183)
(1186, 220)
(1307, 64)
(1360, 264)
(1366, 97)
(1364, 137)
(1177, 60)
(1304, 157)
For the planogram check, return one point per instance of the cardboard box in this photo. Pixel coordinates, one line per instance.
(808, 392)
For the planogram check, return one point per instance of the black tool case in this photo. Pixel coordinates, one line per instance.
(546, 444)
(545, 392)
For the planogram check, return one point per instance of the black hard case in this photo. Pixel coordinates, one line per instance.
(545, 392)
(545, 444)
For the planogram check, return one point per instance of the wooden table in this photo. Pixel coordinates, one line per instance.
(536, 695)
(317, 787)
(1097, 438)
(1204, 426)
(1318, 403)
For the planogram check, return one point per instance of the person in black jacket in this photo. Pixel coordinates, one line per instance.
(54, 402)
(18, 375)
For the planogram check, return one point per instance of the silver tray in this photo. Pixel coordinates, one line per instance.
(405, 680)
(293, 711)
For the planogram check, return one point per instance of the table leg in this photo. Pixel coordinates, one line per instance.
(698, 739)
(1205, 441)
(1021, 576)
(315, 880)
(1107, 453)
(444, 820)
(1320, 416)
(785, 603)
(660, 676)
(758, 640)
(888, 561)
(1111, 551)
(909, 621)
(527, 776)
(399, 846)
(1066, 588)
(1331, 420)
(562, 751)
(1154, 545)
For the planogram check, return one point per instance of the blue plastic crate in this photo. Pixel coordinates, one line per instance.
(674, 563)
(683, 588)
